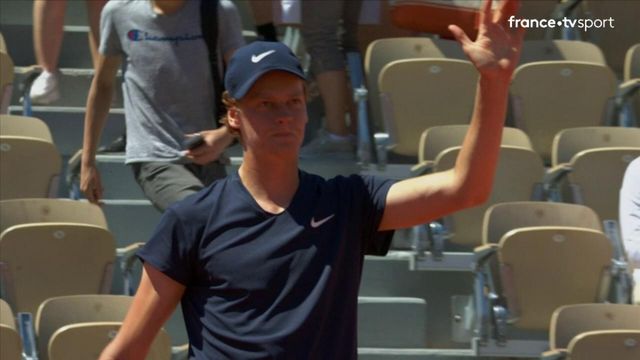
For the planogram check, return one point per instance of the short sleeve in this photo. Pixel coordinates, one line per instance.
(229, 27)
(374, 198)
(171, 248)
(109, 41)
(630, 212)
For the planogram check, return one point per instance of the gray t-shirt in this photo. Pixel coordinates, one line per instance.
(167, 85)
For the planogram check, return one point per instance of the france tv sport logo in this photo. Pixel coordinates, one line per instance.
(134, 35)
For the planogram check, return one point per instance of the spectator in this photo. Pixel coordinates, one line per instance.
(48, 21)
(267, 261)
(168, 95)
(327, 47)
(630, 217)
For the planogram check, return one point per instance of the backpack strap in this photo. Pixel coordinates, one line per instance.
(209, 24)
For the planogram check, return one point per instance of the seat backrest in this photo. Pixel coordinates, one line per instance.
(436, 139)
(550, 96)
(420, 93)
(30, 167)
(569, 142)
(504, 217)
(41, 210)
(519, 170)
(58, 312)
(10, 344)
(596, 178)
(17, 125)
(43, 260)
(606, 344)
(570, 320)
(632, 63)
(543, 268)
(554, 50)
(87, 340)
(383, 51)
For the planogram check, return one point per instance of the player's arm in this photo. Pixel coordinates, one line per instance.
(98, 104)
(495, 54)
(155, 300)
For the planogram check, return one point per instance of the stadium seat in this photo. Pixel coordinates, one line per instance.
(16, 125)
(416, 94)
(539, 272)
(436, 139)
(627, 101)
(6, 81)
(601, 345)
(79, 327)
(42, 260)
(383, 51)
(594, 177)
(30, 167)
(556, 50)
(518, 178)
(10, 343)
(569, 142)
(570, 320)
(550, 96)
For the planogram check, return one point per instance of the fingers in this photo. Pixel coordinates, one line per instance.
(485, 12)
(509, 8)
(459, 35)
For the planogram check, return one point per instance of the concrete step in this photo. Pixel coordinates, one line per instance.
(74, 85)
(74, 53)
(392, 322)
(67, 125)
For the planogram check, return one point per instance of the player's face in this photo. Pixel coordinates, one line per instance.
(273, 113)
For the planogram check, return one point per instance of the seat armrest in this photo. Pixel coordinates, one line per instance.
(556, 354)
(422, 168)
(127, 256)
(483, 252)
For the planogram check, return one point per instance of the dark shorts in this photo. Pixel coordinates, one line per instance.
(165, 183)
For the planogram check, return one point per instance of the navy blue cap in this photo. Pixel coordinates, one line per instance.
(253, 60)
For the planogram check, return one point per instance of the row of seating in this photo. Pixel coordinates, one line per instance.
(417, 83)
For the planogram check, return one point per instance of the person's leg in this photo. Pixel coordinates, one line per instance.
(94, 8)
(165, 183)
(48, 21)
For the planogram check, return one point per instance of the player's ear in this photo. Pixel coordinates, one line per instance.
(233, 117)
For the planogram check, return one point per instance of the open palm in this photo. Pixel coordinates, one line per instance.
(496, 50)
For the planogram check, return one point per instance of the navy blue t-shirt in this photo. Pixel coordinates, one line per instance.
(267, 286)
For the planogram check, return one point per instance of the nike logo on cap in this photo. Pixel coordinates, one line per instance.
(257, 58)
(315, 224)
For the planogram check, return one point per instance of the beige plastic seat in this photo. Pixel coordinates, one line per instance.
(569, 142)
(605, 344)
(631, 73)
(417, 94)
(632, 63)
(550, 96)
(541, 272)
(40, 210)
(6, 81)
(501, 218)
(596, 175)
(554, 50)
(519, 173)
(383, 51)
(436, 139)
(16, 125)
(30, 167)
(10, 343)
(571, 320)
(42, 260)
(79, 327)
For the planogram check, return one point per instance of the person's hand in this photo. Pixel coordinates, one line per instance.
(215, 142)
(90, 183)
(496, 50)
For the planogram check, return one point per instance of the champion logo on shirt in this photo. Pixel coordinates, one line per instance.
(141, 35)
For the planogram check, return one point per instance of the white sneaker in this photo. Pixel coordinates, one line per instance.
(324, 144)
(44, 89)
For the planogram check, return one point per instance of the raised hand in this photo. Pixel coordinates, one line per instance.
(496, 50)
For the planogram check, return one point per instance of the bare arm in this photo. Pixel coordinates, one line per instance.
(98, 103)
(155, 300)
(495, 54)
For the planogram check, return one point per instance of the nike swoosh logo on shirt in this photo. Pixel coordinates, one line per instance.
(257, 58)
(315, 224)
